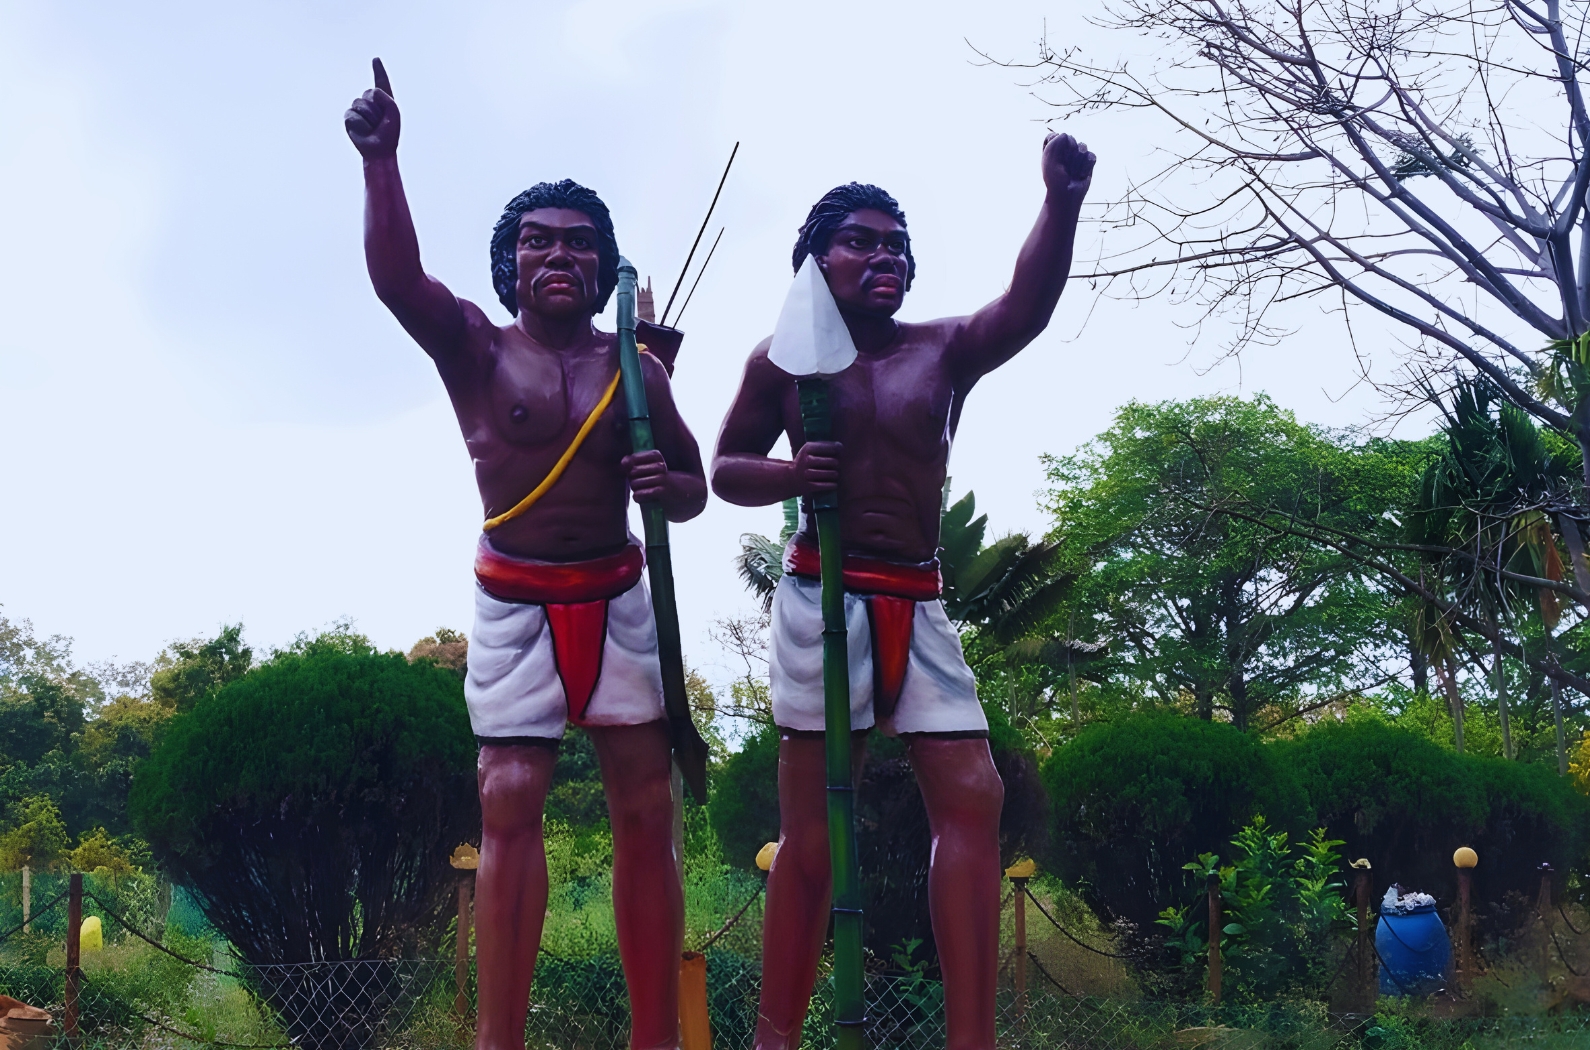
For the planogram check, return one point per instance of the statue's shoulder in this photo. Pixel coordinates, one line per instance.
(938, 332)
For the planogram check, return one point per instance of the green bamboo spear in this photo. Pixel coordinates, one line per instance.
(690, 751)
(850, 1007)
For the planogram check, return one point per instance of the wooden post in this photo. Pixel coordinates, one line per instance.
(1465, 951)
(1368, 968)
(1214, 938)
(465, 860)
(74, 932)
(1021, 944)
(1543, 908)
(27, 899)
(466, 893)
(695, 1026)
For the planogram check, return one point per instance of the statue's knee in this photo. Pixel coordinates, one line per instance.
(804, 845)
(510, 802)
(978, 797)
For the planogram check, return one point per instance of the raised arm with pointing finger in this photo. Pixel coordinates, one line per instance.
(563, 629)
(895, 411)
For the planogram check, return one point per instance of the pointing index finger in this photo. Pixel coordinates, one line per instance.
(382, 83)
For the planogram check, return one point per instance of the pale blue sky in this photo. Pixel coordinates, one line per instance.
(208, 417)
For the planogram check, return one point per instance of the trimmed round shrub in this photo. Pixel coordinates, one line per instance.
(1136, 799)
(1406, 803)
(310, 806)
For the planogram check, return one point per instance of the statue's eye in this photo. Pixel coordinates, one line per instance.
(579, 243)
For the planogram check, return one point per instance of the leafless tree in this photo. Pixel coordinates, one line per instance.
(1424, 159)
(745, 639)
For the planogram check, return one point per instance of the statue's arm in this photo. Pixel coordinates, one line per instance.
(672, 472)
(994, 334)
(742, 471)
(423, 305)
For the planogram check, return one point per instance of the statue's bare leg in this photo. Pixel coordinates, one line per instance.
(648, 902)
(964, 796)
(795, 920)
(510, 887)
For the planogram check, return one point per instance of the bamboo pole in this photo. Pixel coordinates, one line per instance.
(849, 995)
(690, 751)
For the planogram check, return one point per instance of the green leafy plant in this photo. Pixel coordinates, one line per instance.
(1280, 905)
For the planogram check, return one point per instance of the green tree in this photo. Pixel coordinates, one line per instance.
(39, 838)
(1204, 610)
(188, 670)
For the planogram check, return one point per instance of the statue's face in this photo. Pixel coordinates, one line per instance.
(557, 261)
(866, 265)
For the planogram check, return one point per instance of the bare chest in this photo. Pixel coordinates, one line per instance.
(900, 403)
(531, 400)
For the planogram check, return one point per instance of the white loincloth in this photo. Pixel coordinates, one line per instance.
(513, 688)
(939, 694)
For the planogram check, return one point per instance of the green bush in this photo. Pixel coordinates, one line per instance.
(1133, 799)
(1280, 906)
(311, 804)
(1405, 803)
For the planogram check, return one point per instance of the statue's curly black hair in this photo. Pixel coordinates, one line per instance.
(566, 194)
(828, 214)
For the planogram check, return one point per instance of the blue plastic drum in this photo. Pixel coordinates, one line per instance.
(1415, 952)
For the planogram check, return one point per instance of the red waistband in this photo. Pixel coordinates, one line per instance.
(919, 582)
(556, 582)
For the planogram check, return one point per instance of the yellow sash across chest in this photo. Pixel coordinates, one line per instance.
(563, 461)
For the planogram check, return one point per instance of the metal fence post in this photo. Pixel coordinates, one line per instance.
(1214, 938)
(27, 899)
(74, 932)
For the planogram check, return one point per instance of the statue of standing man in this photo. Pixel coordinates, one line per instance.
(564, 630)
(895, 412)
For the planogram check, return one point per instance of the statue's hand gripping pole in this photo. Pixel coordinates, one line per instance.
(812, 342)
(850, 1008)
(690, 751)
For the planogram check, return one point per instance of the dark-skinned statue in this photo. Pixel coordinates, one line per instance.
(895, 410)
(563, 623)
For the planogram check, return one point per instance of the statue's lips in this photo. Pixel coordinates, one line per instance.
(886, 285)
(557, 283)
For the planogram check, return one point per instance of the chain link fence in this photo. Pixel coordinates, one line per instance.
(180, 990)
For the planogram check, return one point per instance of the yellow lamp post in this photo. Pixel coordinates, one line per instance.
(1018, 874)
(465, 859)
(1464, 859)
